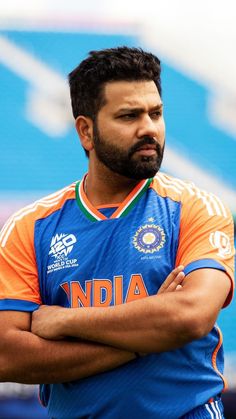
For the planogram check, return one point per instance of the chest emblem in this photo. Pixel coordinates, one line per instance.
(62, 245)
(149, 238)
(60, 248)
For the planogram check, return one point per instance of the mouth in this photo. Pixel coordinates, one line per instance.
(147, 150)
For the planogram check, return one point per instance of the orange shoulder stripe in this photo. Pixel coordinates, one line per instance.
(167, 186)
(39, 209)
(179, 190)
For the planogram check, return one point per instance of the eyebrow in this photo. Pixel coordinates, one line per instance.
(139, 110)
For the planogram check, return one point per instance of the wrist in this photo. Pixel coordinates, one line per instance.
(61, 320)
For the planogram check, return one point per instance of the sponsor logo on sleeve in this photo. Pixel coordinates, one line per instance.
(219, 240)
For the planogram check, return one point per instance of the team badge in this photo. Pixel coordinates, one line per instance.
(149, 238)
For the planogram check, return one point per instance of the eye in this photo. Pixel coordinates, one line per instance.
(128, 116)
(156, 114)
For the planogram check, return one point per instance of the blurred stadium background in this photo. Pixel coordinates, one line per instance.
(43, 40)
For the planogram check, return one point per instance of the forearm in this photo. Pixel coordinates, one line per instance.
(156, 323)
(153, 324)
(125, 326)
(26, 358)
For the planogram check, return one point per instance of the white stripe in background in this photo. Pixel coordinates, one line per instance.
(47, 104)
(31, 68)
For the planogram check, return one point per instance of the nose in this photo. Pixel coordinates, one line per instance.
(147, 127)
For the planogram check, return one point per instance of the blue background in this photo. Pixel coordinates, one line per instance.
(32, 162)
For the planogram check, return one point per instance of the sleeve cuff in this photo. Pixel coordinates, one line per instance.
(203, 263)
(18, 305)
(211, 264)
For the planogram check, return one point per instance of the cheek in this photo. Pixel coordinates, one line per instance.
(120, 135)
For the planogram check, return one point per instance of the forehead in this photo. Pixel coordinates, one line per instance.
(119, 94)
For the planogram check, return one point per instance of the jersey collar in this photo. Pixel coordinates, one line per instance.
(123, 209)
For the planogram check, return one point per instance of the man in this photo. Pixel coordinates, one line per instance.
(114, 337)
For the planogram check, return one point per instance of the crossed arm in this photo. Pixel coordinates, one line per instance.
(153, 324)
(108, 337)
(28, 358)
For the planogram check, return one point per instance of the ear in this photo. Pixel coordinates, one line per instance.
(84, 127)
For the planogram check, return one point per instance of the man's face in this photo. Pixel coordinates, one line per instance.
(129, 133)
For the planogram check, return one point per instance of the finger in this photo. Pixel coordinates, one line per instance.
(170, 278)
(176, 282)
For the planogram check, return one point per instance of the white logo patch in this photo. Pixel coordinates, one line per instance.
(61, 246)
(221, 241)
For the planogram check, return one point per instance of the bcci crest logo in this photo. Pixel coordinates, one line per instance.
(149, 238)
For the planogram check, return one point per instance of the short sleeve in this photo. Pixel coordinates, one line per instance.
(19, 285)
(206, 234)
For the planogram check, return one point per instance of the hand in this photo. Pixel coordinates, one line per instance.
(47, 322)
(173, 281)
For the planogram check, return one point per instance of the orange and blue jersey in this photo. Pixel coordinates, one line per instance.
(62, 250)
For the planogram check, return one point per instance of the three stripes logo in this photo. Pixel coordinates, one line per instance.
(50, 201)
(211, 202)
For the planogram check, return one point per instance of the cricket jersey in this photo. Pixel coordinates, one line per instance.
(61, 250)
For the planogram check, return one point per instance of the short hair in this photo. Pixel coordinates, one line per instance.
(88, 79)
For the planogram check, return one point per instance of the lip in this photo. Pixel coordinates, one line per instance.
(147, 147)
(147, 150)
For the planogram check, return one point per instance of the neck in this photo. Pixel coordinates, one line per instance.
(106, 187)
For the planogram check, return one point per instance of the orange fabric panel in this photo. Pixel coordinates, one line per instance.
(197, 230)
(206, 224)
(206, 232)
(18, 273)
(18, 269)
(167, 186)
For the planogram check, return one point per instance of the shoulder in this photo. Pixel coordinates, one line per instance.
(24, 219)
(171, 187)
(189, 195)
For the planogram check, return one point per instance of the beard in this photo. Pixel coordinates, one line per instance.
(124, 162)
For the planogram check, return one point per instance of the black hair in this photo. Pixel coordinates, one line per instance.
(88, 79)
